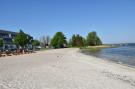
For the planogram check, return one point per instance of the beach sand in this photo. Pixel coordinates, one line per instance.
(63, 69)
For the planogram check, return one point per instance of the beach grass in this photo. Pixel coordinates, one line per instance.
(96, 48)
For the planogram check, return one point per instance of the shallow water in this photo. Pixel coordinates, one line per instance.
(123, 54)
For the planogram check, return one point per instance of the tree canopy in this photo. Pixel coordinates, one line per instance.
(77, 41)
(58, 40)
(93, 39)
(35, 43)
(21, 39)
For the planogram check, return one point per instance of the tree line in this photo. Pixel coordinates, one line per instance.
(59, 40)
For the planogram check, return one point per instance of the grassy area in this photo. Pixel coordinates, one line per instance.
(43, 49)
(97, 48)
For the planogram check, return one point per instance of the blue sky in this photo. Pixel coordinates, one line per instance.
(113, 20)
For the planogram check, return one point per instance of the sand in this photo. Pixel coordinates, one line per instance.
(63, 69)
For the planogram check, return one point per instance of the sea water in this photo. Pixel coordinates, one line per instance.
(122, 54)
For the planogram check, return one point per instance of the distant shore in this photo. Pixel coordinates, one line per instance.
(96, 48)
(102, 46)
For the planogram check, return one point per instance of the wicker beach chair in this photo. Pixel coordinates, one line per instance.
(2, 54)
(8, 53)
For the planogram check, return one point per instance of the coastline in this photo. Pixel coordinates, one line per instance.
(111, 68)
(105, 59)
(63, 69)
(117, 54)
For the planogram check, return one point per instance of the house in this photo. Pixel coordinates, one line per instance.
(8, 37)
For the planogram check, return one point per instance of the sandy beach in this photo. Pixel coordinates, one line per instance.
(63, 69)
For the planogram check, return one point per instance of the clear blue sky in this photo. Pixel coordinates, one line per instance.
(113, 20)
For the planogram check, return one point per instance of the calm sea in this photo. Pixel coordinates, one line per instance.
(123, 54)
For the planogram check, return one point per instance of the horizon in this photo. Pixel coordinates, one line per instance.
(114, 20)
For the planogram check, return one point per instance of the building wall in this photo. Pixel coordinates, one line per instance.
(8, 37)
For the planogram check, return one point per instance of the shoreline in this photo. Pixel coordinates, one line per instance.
(63, 69)
(97, 52)
(116, 65)
(105, 59)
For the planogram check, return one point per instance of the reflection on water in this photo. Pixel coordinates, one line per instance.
(125, 55)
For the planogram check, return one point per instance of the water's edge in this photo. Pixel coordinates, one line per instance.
(107, 59)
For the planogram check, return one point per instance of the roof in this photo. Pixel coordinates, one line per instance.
(7, 32)
(10, 32)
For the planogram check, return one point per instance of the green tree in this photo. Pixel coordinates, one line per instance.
(1, 43)
(21, 39)
(35, 43)
(93, 39)
(58, 40)
(98, 41)
(70, 43)
(84, 42)
(77, 41)
(73, 41)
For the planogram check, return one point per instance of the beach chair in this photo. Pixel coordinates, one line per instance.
(14, 52)
(18, 52)
(2, 54)
(26, 51)
(8, 53)
(31, 51)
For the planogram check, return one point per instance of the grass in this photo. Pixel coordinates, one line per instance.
(43, 49)
(96, 48)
